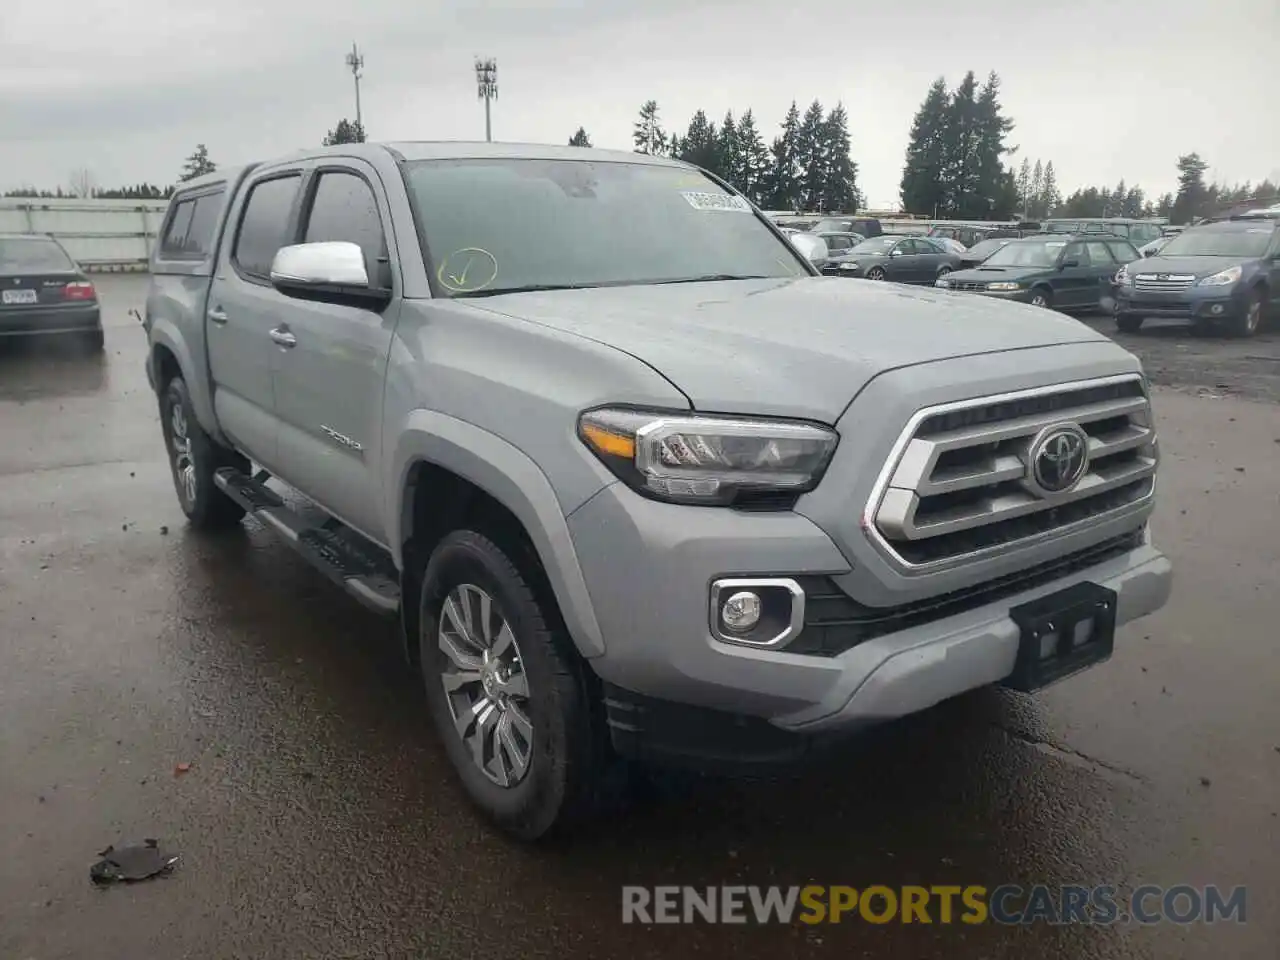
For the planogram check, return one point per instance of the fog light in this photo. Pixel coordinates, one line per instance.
(756, 611)
(1216, 309)
(741, 611)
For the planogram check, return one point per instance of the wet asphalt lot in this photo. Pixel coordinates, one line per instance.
(318, 818)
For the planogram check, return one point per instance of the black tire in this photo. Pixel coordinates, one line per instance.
(567, 759)
(1041, 297)
(206, 507)
(942, 272)
(1129, 324)
(1249, 321)
(876, 273)
(93, 341)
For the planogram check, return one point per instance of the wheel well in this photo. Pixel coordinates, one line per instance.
(438, 501)
(165, 366)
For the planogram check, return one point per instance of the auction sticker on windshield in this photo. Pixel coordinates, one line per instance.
(716, 201)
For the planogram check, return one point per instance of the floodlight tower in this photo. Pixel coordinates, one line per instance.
(487, 89)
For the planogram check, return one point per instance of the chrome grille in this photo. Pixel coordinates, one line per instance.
(970, 285)
(1162, 282)
(960, 482)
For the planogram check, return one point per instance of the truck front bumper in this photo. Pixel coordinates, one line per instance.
(666, 669)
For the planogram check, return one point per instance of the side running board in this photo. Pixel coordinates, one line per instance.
(345, 557)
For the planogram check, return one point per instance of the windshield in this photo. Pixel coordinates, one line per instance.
(1027, 253)
(504, 224)
(831, 226)
(20, 255)
(1246, 242)
(876, 245)
(984, 249)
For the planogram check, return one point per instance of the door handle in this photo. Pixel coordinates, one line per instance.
(283, 337)
(217, 316)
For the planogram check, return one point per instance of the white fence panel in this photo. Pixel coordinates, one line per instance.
(100, 234)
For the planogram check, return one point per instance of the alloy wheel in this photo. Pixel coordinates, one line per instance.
(184, 466)
(485, 684)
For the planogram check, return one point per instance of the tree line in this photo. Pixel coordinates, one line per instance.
(807, 165)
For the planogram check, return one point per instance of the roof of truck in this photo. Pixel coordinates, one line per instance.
(459, 150)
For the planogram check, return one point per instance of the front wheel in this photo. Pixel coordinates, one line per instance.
(1041, 297)
(1129, 324)
(943, 271)
(506, 690)
(875, 273)
(194, 457)
(1247, 323)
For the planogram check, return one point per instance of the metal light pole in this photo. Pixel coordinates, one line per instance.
(487, 89)
(356, 63)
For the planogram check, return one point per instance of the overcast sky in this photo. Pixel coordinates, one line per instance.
(1103, 89)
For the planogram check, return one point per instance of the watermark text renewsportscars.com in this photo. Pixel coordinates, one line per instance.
(1008, 904)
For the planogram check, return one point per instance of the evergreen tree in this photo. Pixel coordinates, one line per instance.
(1024, 185)
(959, 171)
(1193, 195)
(729, 152)
(840, 186)
(345, 132)
(198, 164)
(811, 155)
(784, 172)
(1049, 199)
(754, 157)
(921, 187)
(648, 135)
(700, 145)
(580, 139)
(988, 189)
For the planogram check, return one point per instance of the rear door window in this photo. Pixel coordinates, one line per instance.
(189, 233)
(1123, 252)
(264, 224)
(1099, 253)
(1077, 251)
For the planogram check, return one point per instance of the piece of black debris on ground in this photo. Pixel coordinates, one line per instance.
(132, 863)
(1205, 781)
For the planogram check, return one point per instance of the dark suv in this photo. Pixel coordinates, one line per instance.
(1049, 270)
(1220, 274)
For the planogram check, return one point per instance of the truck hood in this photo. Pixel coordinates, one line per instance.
(1199, 266)
(797, 348)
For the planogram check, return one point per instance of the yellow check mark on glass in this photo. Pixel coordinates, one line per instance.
(460, 280)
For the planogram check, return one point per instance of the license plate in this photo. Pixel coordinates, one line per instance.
(19, 296)
(1062, 634)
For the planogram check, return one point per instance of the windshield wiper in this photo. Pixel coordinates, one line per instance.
(526, 288)
(713, 277)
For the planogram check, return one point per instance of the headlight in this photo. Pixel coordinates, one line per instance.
(1004, 286)
(1229, 275)
(686, 458)
(849, 265)
(942, 282)
(1122, 277)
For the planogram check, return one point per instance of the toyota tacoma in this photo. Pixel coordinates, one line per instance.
(637, 480)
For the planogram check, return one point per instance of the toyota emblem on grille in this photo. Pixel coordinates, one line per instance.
(1162, 276)
(1059, 458)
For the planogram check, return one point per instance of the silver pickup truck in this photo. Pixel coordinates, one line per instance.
(637, 481)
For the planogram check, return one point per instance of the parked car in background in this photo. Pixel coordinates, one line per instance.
(948, 245)
(1064, 272)
(900, 259)
(839, 243)
(1222, 274)
(1137, 232)
(44, 293)
(980, 251)
(867, 226)
(966, 236)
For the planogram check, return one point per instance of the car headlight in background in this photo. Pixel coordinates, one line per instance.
(687, 458)
(849, 265)
(1223, 278)
(1004, 286)
(1122, 277)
